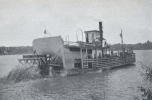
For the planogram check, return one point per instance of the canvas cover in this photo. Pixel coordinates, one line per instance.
(55, 46)
(48, 45)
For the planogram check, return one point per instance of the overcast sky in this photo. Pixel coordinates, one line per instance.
(21, 21)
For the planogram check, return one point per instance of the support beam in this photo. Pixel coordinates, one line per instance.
(63, 56)
(81, 57)
(87, 56)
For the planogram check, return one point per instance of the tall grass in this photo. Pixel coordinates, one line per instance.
(147, 72)
(23, 72)
(147, 88)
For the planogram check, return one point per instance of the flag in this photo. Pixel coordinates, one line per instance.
(45, 31)
(121, 37)
(121, 33)
(105, 43)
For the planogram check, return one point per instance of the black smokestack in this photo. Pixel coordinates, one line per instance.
(101, 31)
(101, 35)
(100, 27)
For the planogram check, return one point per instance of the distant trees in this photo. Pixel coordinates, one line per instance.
(15, 50)
(28, 49)
(2, 50)
(139, 46)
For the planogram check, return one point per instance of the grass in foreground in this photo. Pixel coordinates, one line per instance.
(147, 88)
(22, 73)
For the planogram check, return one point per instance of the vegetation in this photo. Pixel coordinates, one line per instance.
(28, 49)
(22, 73)
(148, 72)
(139, 46)
(146, 89)
(15, 50)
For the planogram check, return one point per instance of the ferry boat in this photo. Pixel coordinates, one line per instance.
(77, 57)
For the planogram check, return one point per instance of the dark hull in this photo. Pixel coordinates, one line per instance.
(90, 65)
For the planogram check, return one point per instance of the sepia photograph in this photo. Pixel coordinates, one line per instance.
(75, 50)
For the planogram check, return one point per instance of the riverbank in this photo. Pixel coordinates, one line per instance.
(20, 91)
(107, 85)
(58, 88)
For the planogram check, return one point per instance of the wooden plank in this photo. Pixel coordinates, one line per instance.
(81, 57)
(33, 56)
(54, 65)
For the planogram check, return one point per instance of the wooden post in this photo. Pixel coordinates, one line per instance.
(81, 57)
(82, 35)
(63, 56)
(96, 58)
(44, 67)
(87, 56)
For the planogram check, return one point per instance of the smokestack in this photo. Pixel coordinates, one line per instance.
(101, 31)
(101, 36)
(100, 27)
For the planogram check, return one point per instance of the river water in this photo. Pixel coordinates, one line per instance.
(117, 84)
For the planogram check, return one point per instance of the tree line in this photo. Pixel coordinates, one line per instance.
(15, 50)
(28, 49)
(138, 46)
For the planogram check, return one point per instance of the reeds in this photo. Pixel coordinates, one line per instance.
(147, 72)
(147, 88)
(23, 72)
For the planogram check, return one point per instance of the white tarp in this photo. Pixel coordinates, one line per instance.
(54, 45)
(48, 45)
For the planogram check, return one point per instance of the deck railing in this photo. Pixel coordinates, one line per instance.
(109, 62)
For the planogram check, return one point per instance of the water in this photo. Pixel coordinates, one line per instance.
(116, 84)
(7, 62)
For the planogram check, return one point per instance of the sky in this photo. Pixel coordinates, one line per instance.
(21, 21)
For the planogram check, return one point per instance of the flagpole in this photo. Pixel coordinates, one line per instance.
(44, 32)
(121, 40)
(82, 34)
(77, 36)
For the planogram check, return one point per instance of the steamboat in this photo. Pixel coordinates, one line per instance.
(59, 56)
